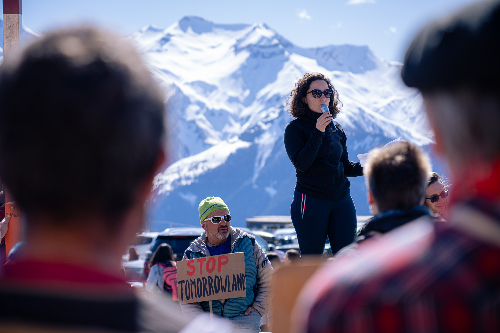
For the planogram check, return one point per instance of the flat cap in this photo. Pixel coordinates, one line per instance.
(461, 50)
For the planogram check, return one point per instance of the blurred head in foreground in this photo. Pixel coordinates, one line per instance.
(81, 137)
(453, 62)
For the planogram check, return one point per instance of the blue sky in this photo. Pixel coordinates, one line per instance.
(386, 26)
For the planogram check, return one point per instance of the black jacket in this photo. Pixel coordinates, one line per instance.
(320, 159)
(389, 220)
(382, 223)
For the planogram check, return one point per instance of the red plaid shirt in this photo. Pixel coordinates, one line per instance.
(418, 278)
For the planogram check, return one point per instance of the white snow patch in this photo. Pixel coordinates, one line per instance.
(185, 171)
(228, 85)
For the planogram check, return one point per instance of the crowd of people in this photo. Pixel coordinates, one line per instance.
(82, 135)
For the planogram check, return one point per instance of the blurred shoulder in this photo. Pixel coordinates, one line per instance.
(355, 279)
(160, 314)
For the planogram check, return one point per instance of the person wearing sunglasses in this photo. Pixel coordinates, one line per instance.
(436, 196)
(316, 145)
(220, 238)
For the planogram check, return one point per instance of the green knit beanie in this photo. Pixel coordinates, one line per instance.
(209, 205)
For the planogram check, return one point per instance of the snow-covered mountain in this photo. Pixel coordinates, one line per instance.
(227, 87)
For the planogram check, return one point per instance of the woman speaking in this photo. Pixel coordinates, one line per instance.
(322, 205)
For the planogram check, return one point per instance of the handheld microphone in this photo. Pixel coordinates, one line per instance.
(324, 108)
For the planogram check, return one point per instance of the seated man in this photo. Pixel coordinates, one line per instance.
(439, 277)
(81, 139)
(396, 178)
(220, 238)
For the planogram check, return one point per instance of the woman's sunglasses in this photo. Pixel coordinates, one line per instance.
(435, 197)
(218, 219)
(317, 93)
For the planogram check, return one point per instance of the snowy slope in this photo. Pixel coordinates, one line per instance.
(227, 87)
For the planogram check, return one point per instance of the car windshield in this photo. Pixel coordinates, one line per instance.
(285, 238)
(179, 244)
(142, 240)
(263, 244)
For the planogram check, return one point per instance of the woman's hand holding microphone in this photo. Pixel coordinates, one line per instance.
(324, 119)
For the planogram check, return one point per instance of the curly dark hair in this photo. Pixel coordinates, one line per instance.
(297, 107)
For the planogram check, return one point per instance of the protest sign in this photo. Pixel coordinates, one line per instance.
(211, 278)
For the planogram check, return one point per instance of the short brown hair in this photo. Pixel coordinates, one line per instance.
(297, 107)
(397, 175)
